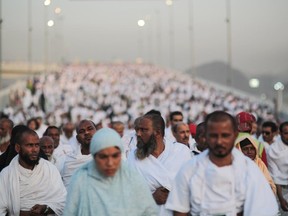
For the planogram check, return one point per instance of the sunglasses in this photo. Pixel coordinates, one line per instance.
(266, 132)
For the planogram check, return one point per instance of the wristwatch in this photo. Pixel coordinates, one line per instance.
(46, 210)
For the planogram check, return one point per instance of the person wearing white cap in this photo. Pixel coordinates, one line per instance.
(107, 185)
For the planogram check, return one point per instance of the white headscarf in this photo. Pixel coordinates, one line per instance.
(105, 138)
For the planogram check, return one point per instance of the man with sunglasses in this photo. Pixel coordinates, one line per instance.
(268, 133)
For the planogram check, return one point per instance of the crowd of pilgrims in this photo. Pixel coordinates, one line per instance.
(122, 92)
(76, 112)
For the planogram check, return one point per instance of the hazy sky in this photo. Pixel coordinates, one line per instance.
(105, 30)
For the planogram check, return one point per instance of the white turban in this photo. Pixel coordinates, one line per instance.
(105, 138)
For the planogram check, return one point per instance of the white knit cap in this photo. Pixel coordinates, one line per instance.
(105, 138)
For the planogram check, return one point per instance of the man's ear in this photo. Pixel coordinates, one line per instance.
(17, 147)
(77, 137)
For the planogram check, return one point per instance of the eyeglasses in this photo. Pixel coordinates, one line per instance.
(266, 133)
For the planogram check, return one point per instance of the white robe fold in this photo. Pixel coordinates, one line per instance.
(161, 171)
(42, 186)
(277, 157)
(72, 163)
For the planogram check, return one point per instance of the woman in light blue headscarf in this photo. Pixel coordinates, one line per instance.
(107, 185)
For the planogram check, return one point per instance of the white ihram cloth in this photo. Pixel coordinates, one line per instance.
(75, 145)
(71, 164)
(161, 171)
(62, 150)
(202, 188)
(21, 188)
(58, 161)
(278, 162)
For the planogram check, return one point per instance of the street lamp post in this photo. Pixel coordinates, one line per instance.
(58, 36)
(229, 80)
(29, 51)
(46, 38)
(140, 24)
(191, 36)
(171, 33)
(279, 87)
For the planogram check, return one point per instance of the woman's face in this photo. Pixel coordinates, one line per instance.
(108, 161)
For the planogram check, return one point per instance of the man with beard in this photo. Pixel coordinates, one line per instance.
(85, 131)
(157, 159)
(221, 180)
(6, 126)
(30, 185)
(47, 146)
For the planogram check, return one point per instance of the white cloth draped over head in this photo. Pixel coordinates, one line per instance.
(278, 162)
(104, 138)
(123, 194)
(43, 186)
(257, 159)
(161, 171)
(211, 190)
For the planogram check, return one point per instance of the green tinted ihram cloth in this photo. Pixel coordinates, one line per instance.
(125, 194)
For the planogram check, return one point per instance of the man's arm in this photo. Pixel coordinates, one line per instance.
(283, 202)
(160, 195)
(179, 214)
(38, 210)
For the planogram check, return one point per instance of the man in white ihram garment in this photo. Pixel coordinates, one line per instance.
(30, 185)
(157, 159)
(221, 180)
(47, 146)
(107, 186)
(60, 150)
(277, 156)
(85, 131)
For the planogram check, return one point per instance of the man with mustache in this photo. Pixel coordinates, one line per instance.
(6, 126)
(85, 131)
(157, 159)
(221, 180)
(30, 185)
(181, 133)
